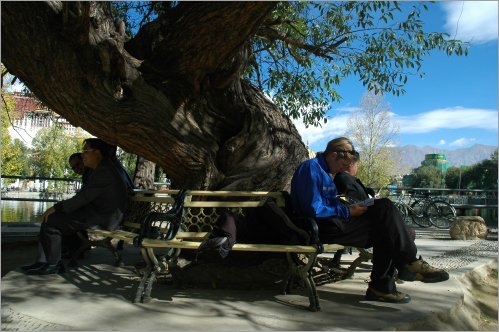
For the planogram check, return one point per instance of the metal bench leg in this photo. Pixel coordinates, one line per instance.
(154, 268)
(288, 284)
(309, 280)
(149, 268)
(304, 273)
(146, 298)
(289, 277)
(140, 288)
(118, 254)
(107, 244)
(364, 256)
(144, 289)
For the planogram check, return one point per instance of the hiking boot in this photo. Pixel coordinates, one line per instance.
(422, 271)
(393, 297)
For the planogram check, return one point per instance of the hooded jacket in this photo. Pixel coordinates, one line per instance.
(313, 192)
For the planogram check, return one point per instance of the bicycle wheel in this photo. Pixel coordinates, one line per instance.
(403, 212)
(418, 214)
(441, 214)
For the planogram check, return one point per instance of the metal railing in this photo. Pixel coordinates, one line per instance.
(459, 198)
(47, 188)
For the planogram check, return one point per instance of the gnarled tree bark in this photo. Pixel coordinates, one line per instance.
(173, 94)
(143, 177)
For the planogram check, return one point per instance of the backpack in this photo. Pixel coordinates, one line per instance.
(270, 224)
(267, 224)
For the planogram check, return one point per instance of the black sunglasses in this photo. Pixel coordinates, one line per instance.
(352, 152)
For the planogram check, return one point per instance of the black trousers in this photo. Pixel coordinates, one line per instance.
(59, 224)
(382, 228)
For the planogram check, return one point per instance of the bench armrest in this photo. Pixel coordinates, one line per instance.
(153, 222)
(313, 230)
(152, 225)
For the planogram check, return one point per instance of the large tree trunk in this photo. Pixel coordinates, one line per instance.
(143, 177)
(173, 94)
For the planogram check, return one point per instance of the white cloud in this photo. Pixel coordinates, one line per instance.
(463, 141)
(448, 118)
(334, 127)
(422, 123)
(474, 21)
(346, 109)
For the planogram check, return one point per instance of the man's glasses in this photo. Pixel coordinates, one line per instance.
(352, 152)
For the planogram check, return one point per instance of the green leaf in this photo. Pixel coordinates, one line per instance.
(302, 76)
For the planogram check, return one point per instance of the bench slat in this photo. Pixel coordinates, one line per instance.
(148, 243)
(333, 247)
(117, 234)
(133, 225)
(192, 235)
(276, 194)
(157, 199)
(213, 204)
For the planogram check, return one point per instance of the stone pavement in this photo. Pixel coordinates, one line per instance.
(97, 297)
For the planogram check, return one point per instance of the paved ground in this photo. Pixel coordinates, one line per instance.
(97, 297)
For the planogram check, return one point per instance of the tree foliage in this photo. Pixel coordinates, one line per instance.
(128, 160)
(13, 152)
(482, 175)
(51, 150)
(304, 50)
(428, 177)
(184, 91)
(453, 177)
(373, 130)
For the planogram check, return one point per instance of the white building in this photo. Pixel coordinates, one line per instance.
(30, 115)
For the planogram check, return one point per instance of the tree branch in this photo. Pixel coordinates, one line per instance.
(270, 33)
(181, 45)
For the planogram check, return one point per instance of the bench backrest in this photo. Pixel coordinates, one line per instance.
(143, 202)
(201, 209)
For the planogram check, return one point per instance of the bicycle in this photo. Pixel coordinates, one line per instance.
(405, 210)
(427, 211)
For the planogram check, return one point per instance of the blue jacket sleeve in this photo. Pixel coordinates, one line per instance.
(314, 193)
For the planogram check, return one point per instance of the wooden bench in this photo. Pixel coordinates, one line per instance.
(200, 211)
(176, 220)
(141, 204)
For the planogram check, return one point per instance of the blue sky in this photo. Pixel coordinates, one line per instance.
(455, 105)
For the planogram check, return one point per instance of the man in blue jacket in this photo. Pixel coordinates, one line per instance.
(314, 194)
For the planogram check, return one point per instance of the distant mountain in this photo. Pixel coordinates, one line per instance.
(411, 155)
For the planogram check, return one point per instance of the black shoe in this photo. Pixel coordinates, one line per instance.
(36, 265)
(48, 269)
(393, 297)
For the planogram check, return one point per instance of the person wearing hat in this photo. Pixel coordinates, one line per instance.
(314, 195)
